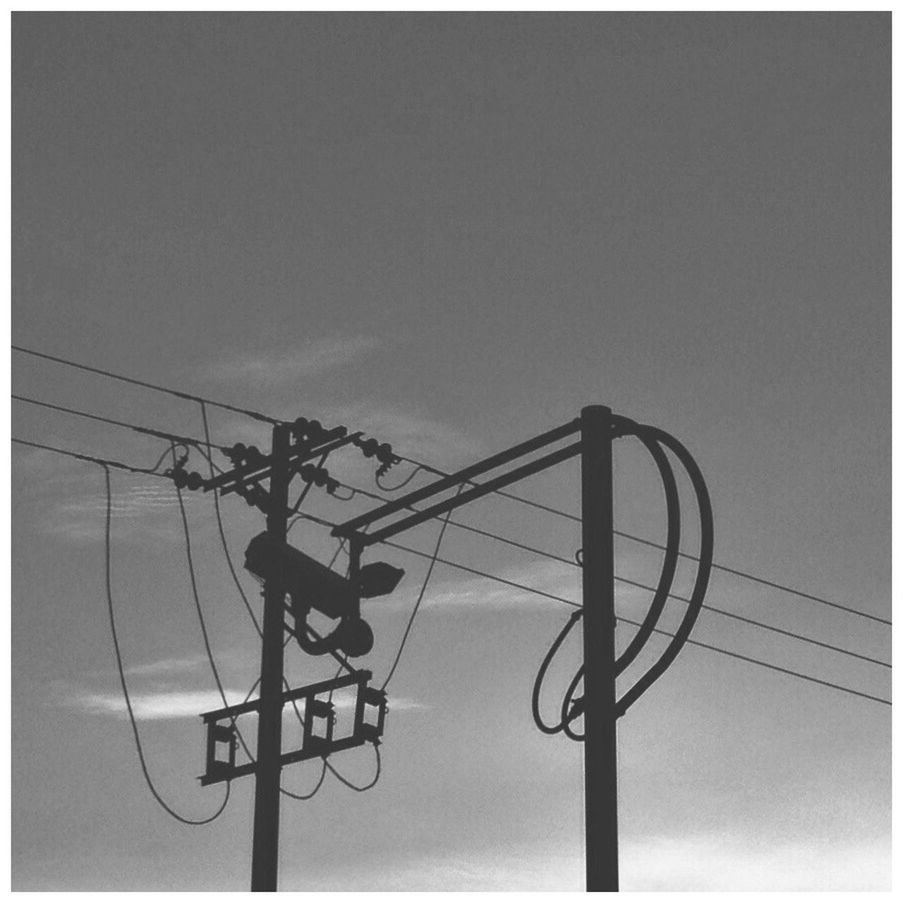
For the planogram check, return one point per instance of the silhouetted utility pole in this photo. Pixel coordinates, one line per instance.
(599, 716)
(265, 856)
(289, 572)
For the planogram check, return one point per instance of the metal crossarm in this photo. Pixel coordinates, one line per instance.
(352, 526)
(260, 469)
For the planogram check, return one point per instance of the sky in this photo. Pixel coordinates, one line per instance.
(452, 232)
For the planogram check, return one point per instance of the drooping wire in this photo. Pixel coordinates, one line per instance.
(125, 690)
(254, 415)
(221, 530)
(378, 479)
(326, 523)
(303, 797)
(355, 787)
(416, 608)
(200, 613)
(434, 470)
(313, 792)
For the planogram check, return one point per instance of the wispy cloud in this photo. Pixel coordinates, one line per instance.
(160, 706)
(310, 359)
(166, 705)
(551, 577)
(148, 508)
(168, 666)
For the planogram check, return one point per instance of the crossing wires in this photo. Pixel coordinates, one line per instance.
(419, 467)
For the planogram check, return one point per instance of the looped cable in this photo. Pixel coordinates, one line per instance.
(541, 673)
(703, 571)
(655, 442)
(672, 550)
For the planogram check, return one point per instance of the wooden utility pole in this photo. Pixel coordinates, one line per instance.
(599, 717)
(265, 856)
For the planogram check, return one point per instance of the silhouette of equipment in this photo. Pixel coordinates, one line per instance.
(572, 707)
(599, 707)
(311, 585)
(289, 574)
(319, 719)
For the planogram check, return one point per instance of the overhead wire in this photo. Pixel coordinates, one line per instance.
(201, 619)
(125, 690)
(326, 523)
(221, 530)
(353, 786)
(419, 465)
(254, 415)
(756, 661)
(144, 430)
(631, 536)
(416, 608)
(712, 608)
(573, 604)
(103, 462)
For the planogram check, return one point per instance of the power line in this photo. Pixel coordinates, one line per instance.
(502, 580)
(648, 542)
(138, 382)
(416, 608)
(737, 617)
(125, 690)
(509, 495)
(714, 609)
(355, 787)
(158, 434)
(756, 661)
(103, 462)
(497, 579)
(561, 599)
(222, 532)
(200, 614)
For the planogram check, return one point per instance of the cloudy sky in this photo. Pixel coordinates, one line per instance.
(452, 232)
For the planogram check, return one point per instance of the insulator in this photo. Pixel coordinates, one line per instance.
(299, 427)
(194, 481)
(384, 453)
(253, 454)
(237, 452)
(369, 448)
(180, 478)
